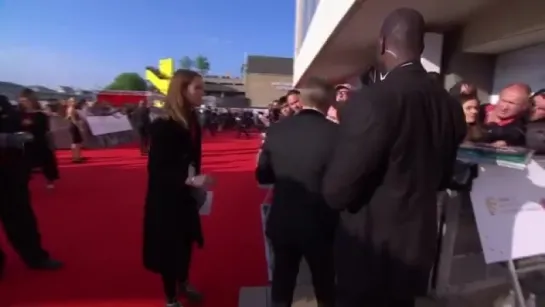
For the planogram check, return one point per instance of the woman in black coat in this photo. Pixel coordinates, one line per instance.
(171, 219)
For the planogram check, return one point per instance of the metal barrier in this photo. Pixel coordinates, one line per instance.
(62, 140)
(461, 267)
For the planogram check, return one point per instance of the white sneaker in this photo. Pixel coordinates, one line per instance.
(175, 304)
(50, 186)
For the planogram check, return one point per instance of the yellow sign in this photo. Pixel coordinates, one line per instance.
(158, 103)
(160, 77)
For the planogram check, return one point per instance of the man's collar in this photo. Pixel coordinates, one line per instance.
(382, 77)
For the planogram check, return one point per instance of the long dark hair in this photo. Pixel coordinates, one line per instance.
(475, 131)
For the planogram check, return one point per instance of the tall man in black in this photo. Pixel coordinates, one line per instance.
(396, 148)
(300, 224)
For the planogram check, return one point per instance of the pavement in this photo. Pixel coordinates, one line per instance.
(467, 266)
(492, 297)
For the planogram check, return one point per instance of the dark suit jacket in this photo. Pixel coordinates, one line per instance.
(293, 158)
(396, 148)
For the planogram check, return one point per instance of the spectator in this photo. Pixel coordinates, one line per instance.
(464, 88)
(538, 106)
(505, 122)
(471, 106)
(535, 130)
(292, 98)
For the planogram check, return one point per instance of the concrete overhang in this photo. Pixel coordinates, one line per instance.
(340, 40)
(505, 26)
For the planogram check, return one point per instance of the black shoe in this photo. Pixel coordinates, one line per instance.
(189, 292)
(47, 265)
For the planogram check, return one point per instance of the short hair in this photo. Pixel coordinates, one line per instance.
(282, 100)
(318, 93)
(293, 92)
(539, 93)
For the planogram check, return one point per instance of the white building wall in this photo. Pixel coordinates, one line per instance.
(321, 19)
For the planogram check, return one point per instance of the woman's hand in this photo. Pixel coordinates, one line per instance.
(200, 181)
(27, 122)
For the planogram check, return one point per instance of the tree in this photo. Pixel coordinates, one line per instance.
(202, 64)
(186, 63)
(128, 81)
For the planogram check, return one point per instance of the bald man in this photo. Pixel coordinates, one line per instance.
(396, 148)
(506, 121)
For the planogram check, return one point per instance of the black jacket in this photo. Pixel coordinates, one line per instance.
(293, 158)
(395, 150)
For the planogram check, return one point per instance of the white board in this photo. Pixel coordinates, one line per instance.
(509, 207)
(100, 125)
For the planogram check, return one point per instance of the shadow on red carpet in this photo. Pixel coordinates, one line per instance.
(92, 221)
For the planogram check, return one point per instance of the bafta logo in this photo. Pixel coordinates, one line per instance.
(491, 205)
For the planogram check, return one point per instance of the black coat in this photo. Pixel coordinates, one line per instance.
(293, 158)
(40, 152)
(171, 217)
(396, 149)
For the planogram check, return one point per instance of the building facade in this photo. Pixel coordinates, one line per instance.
(490, 43)
(267, 78)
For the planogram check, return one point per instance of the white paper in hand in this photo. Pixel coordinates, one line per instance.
(207, 206)
(191, 171)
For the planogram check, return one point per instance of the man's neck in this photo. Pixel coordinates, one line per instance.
(314, 109)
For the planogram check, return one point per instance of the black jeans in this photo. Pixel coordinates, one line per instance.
(143, 133)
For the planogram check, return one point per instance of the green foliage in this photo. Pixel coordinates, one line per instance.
(186, 63)
(129, 81)
(202, 65)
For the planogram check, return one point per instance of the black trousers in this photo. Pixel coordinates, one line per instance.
(143, 134)
(287, 258)
(17, 216)
(171, 279)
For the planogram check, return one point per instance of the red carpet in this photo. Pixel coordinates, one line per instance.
(92, 222)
